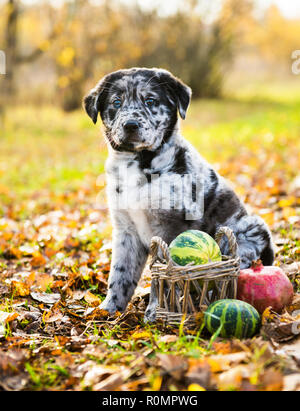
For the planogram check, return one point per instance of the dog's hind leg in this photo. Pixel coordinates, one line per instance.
(253, 238)
(128, 260)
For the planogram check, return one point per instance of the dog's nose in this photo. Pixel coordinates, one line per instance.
(131, 125)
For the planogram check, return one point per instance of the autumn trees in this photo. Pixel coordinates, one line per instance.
(61, 49)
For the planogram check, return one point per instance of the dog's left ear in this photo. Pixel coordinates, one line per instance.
(178, 90)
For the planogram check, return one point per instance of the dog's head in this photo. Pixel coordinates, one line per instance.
(138, 107)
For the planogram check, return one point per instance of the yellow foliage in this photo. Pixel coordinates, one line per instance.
(141, 335)
(66, 56)
(195, 387)
(63, 81)
(45, 45)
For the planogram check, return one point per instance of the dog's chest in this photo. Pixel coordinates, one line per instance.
(129, 190)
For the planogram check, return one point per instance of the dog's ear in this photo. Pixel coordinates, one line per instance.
(93, 102)
(90, 105)
(178, 90)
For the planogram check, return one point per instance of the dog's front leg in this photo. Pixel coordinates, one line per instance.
(129, 256)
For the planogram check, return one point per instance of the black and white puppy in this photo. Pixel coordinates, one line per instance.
(157, 183)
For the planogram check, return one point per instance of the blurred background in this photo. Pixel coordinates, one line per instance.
(235, 54)
(57, 49)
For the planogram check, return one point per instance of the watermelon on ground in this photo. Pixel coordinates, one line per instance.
(238, 319)
(194, 246)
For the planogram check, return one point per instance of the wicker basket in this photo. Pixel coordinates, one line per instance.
(177, 289)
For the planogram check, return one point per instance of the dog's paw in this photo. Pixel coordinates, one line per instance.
(109, 306)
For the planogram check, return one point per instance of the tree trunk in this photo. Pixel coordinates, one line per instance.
(11, 49)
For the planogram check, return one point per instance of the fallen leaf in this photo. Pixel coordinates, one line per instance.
(174, 365)
(199, 373)
(6, 318)
(168, 338)
(224, 362)
(278, 327)
(110, 383)
(38, 260)
(291, 382)
(92, 299)
(272, 380)
(195, 387)
(46, 298)
(20, 289)
(95, 374)
(232, 378)
(141, 335)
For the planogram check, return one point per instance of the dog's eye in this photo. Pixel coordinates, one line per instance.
(117, 103)
(149, 102)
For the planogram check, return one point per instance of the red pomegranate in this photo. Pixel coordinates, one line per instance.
(263, 287)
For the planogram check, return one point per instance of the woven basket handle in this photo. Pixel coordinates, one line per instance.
(158, 242)
(233, 247)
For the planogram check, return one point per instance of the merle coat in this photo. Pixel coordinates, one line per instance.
(147, 154)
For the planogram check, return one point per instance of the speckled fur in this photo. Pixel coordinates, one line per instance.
(160, 150)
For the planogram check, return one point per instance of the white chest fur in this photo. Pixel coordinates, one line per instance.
(128, 191)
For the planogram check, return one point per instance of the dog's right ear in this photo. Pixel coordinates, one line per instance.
(91, 101)
(90, 105)
(94, 101)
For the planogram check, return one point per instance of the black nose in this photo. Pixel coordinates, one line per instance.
(131, 126)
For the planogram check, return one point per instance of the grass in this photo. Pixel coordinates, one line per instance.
(44, 148)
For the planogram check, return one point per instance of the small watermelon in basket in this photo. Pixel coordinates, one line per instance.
(194, 246)
(232, 318)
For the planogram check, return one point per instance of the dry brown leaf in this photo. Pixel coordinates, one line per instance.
(43, 281)
(92, 299)
(295, 304)
(20, 289)
(96, 373)
(232, 378)
(280, 328)
(141, 335)
(199, 372)
(291, 382)
(292, 350)
(53, 316)
(96, 314)
(168, 338)
(46, 298)
(224, 362)
(5, 318)
(110, 383)
(271, 380)
(38, 260)
(174, 365)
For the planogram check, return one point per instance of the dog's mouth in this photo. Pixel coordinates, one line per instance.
(129, 146)
(132, 142)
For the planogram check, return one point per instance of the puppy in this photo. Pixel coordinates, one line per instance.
(157, 183)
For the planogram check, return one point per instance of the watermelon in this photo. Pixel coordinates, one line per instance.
(193, 246)
(238, 319)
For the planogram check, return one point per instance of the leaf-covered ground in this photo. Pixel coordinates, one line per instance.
(55, 257)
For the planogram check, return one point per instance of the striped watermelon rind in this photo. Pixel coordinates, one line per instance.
(194, 246)
(238, 318)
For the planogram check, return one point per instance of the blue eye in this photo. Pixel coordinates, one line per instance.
(149, 102)
(117, 103)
